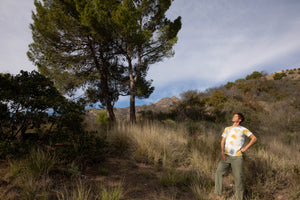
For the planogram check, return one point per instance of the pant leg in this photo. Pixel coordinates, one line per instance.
(222, 168)
(237, 171)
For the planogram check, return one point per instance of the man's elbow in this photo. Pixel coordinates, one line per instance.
(254, 139)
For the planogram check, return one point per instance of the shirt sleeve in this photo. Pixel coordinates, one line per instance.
(247, 132)
(224, 133)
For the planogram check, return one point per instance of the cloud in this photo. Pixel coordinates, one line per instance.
(222, 39)
(219, 42)
(15, 35)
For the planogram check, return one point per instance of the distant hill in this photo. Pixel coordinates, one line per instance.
(290, 73)
(261, 93)
(123, 113)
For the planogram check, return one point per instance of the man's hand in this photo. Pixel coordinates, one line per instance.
(223, 156)
(252, 141)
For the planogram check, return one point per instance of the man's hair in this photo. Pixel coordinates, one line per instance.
(241, 117)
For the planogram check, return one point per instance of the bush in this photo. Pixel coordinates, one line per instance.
(29, 103)
(278, 76)
(229, 85)
(102, 117)
(82, 149)
(254, 75)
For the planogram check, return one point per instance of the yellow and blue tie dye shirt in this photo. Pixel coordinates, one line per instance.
(235, 138)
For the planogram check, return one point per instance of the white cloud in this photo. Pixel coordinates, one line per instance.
(221, 40)
(15, 35)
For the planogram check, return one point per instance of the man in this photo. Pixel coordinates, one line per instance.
(232, 147)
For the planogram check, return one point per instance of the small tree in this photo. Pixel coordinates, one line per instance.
(29, 101)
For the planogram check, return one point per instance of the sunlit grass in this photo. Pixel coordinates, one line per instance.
(151, 143)
(111, 193)
(80, 191)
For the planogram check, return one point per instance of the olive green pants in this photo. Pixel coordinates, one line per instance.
(236, 163)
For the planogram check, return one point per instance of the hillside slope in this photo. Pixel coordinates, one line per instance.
(162, 105)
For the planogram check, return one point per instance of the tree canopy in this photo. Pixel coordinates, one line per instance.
(102, 46)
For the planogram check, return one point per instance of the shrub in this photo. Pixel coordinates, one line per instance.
(254, 75)
(278, 76)
(216, 99)
(229, 85)
(102, 117)
(291, 72)
(30, 105)
(82, 149)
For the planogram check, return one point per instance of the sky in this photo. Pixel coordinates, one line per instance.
(220, 41)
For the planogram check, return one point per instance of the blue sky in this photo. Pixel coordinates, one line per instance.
(220, 41)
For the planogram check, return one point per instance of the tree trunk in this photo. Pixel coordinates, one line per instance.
(132, 106)
(132, 91)
(110, 112)
(104, 86)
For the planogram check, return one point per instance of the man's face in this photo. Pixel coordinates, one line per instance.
(236, 119)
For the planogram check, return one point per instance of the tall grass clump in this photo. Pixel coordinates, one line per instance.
(35, 188)
(111, 193)
(30, 175)
(171, 177)
(36, 164)
(40, 162)
(80, 191)
(152, 143)
(83, 190)
(204, 152)
(201, 186)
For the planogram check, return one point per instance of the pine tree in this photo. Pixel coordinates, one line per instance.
(147, 36)
(74, 45)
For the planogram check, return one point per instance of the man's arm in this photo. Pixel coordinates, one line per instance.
(252, 141)
(222, 148)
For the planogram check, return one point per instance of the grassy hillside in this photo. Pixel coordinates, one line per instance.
(173, 151)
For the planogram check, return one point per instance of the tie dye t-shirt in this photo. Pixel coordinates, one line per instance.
(235, 138)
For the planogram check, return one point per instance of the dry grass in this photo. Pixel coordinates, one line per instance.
(151, 143)
(270, 166)
(181, 164)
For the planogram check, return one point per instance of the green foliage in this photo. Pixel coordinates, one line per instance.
(25, 100)
(278, 76)
(30, 100)
(191, 107)
(216, 99)
(86, 43)
(229, 85)
(33, 111)
(82, 149)
(102, 117)
(74, 44)
(255, 75)
(291, 72)
(239, 80)
(148, 37)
